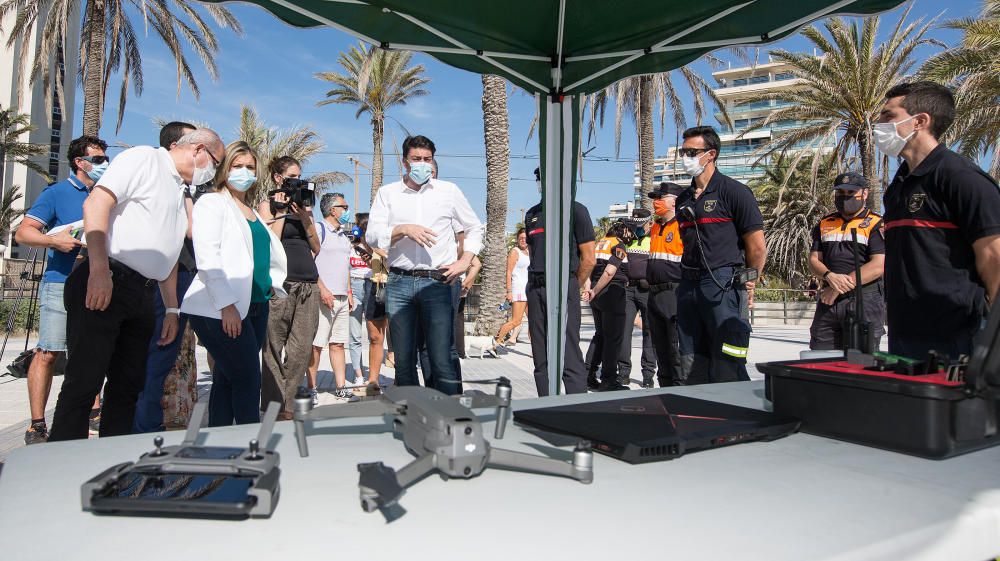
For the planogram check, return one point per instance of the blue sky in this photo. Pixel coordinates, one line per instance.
(272, 66)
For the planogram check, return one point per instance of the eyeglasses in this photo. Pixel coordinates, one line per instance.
(96, 160)
(210, 155)
(345, 207)
(692, 152)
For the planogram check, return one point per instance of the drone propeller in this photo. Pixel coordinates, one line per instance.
(380, 489)
(500, 380)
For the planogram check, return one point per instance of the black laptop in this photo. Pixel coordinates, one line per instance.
(657, 427)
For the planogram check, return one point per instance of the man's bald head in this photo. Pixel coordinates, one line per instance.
(198, 148)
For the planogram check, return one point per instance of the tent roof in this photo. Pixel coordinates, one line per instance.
(565, 46)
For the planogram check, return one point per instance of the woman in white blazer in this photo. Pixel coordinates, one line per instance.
(240, 265)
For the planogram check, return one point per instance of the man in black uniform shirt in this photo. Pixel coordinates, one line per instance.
(581, 263)
(722, 229)
(942, 228)
(832, 260)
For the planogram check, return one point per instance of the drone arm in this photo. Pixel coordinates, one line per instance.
(304, 411)
(581, 468)
(414, 470)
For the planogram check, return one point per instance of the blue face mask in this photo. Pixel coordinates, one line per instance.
(345, 218)
(96, 171)
(241, 179)
(420, 172)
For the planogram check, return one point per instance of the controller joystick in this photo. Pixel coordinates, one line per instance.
(254, 450)
(158, 442)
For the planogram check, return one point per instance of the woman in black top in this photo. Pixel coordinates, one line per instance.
(606, 293)
(292, 321)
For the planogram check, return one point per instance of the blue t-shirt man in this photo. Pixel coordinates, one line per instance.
(59, 204)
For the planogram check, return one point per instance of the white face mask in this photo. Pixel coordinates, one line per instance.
(692, 165)
(200, 176)
(887, 139)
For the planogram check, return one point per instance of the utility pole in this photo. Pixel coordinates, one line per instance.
(356, 163)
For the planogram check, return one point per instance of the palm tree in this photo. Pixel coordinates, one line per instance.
(602, 226)
(841, 91)
(793, 198)
(301, 143)
(13, 126)
(10, 210)
(973, 69)
(375, 80)
(496, 133)
(109, 43)
(635, 96)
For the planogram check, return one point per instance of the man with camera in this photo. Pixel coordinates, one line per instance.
(723, 234)
(415, 220)
(59, 205)
(292, 323)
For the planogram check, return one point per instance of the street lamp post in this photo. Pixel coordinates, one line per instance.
(356, 163)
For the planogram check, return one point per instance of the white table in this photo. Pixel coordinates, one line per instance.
(801, 497)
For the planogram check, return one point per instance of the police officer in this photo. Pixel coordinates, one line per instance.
(942, 228)
(722, 230)
(606, 293)
(636, 295)
(581, 263)
(832, 260)
(636, 298)
(663, 273)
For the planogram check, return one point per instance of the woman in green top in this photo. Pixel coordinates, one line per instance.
(241, 264)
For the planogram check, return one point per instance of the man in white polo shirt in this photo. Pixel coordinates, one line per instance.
(135, 223)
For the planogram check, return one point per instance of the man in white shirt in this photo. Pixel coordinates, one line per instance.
(135, 221)
(415, 221)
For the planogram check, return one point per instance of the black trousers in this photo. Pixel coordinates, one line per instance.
(574, 375)
(662, 319)
(112, 344)
(609, 318)
(827, 329)
(636, 302)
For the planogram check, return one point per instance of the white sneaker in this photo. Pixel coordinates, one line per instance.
(314, 395)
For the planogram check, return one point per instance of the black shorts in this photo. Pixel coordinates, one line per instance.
(373, 310)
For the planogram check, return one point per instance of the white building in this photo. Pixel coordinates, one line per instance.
(623, 210)
(55, 128)
(736, 157)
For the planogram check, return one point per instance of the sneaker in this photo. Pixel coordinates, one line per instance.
(593, 383)
(647, 385)
(344, 393)
(612, 386)
(95, 424)
(314, 396)
(36, 434)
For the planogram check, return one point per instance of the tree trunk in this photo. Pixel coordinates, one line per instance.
(378, 129)
(496, 132)
(866, 147)
(93, 76)
(646, 140)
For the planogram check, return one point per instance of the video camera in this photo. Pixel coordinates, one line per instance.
(298, 191)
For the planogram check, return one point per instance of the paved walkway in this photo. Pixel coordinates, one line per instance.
(768, 344)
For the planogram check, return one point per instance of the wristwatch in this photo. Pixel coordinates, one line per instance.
(175, 311)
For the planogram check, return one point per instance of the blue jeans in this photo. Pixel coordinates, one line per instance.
(425, 304)
(425, 359)
(360, 289)
(235, 393)
(159, 362)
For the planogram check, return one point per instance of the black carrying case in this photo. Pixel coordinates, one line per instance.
(925, 416)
